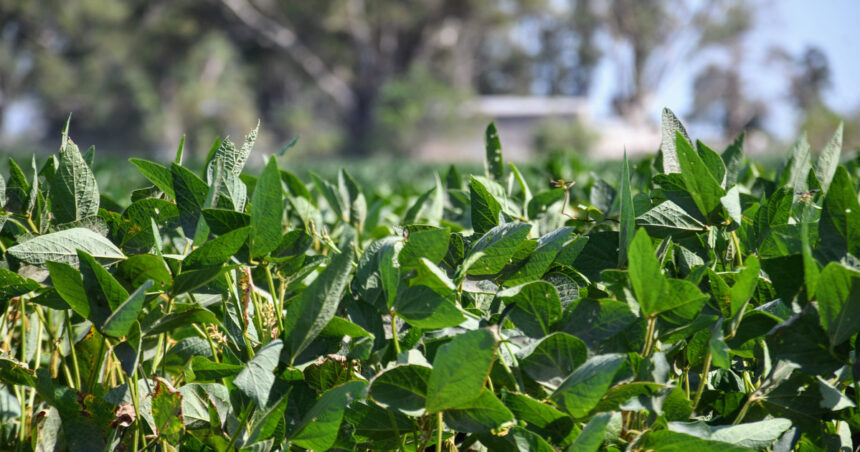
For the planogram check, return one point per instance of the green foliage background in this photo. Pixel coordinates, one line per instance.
(701, 301)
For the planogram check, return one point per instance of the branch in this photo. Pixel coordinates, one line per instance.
(285, 39)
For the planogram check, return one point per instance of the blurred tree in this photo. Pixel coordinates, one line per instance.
(351, 50)
(558, 58)
(809, 77)
(138, 73)
(349, 75)
(660, 33)
(719, 97)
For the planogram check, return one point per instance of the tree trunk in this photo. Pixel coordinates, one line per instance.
(360, 126)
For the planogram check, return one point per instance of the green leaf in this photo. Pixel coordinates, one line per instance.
(257, 378)
(800, 165)
(627, 226)
(74, 191)
(676, 405)
(591, 437)
(86, 418)
(2, 192)
(179, 319)
(541, 201)
(838, 292)
(14, 372)
(668, 219)
(733, 158)
(141, 267)
(104, 293)
(402, 388)
(167, 412)
(540, 260)
(832, 398)
(222, 221)
(839, 227)
(351, 193)
(554, 357)
(671, 126)
(536, 307)
(319, 427)
(190, 197)
(746, 282)
(719, 350)
(493, 165)
(485, 207)
(120, 321)
(62, 246)
(135, 225)
(217, 251)
(701, 185)
(681, 300)
(732, 203)
(647, 280)
(459, 370)
(267, 211)
(667, 441)
(70, 285)
(159, 175)
(423, 308)
(484, 414)
(431, 243)
(541, 417)
(517, 439)
(332, 197)
(581, 391)
(811, 271)
(713, 162)
(233, 160)
(430, 275)
(756, 435)
(206, 370)
(498, 245)
(12, 285)
(524, 186)
(317, 304)
(191, 279)
(270, 422)
(828, 160)
(596, 320)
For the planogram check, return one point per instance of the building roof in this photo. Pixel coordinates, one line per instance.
(527, 106)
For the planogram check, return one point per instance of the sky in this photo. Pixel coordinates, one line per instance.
(831, 25)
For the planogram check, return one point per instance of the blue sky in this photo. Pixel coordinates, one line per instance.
(831, 25)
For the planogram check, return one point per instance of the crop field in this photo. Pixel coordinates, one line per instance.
(696, 302)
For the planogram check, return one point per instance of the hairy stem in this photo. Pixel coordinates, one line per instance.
(703, 380)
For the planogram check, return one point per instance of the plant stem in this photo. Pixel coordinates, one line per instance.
(649, 333)
(211, 344)
(687, 381)
(519, 376)
(439, 431)
(241, 425)
(394, 333)
(258, 317)
(737, 244)
(744, 409)
(72, 352)
(278, 303)
(703, 381)
(23, 313)
(98, 364)
(52, 335)
(21, 392)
